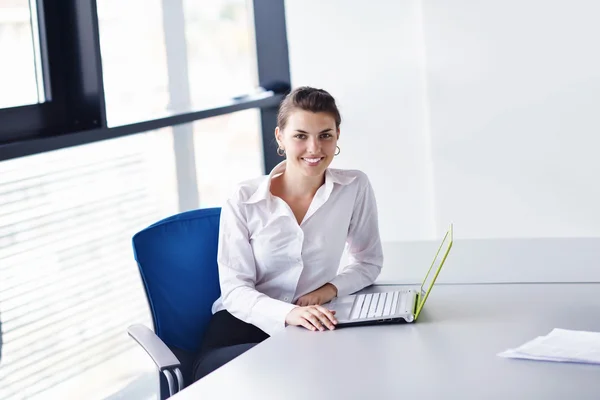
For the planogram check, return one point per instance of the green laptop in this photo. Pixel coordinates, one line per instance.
(399, 305)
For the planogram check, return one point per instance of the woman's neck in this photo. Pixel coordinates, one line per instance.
(296, 185)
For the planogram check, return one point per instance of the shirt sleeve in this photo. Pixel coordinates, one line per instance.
(237, 275)
(364, 245)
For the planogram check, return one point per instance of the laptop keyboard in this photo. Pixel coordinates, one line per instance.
(375, 305)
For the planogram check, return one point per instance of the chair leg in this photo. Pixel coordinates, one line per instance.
(170, 381)
(179, 379)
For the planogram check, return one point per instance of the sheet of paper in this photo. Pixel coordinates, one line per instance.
(560, 345)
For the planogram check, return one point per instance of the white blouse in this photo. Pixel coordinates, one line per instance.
(267, 261)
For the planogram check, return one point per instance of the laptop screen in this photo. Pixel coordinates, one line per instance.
(436, 265)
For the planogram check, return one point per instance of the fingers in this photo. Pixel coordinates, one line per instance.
(319, 319)
(313, 321)
(316, 317)
(327, 313)
(307, 324)
(302, 302)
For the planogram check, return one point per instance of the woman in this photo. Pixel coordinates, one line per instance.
(282, 236)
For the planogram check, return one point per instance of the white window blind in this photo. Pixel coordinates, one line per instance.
(69, 285)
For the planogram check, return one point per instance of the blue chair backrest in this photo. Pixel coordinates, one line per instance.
(177, 258)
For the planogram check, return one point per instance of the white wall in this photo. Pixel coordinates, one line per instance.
(369, 57)
(477, 112)
(514, 90)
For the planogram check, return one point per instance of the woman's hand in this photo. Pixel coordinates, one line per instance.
(312, 318)
(322, 295)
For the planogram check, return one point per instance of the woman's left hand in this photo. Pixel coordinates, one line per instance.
(322, 295)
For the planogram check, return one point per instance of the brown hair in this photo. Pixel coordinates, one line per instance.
(308, 99)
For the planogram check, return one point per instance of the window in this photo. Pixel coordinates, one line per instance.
(20, 69)
(221, 50)
(114, 115)
(134, 60)
(70, 285)
(228, 150)
(175, 57)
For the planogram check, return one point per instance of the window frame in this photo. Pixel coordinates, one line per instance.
(75, 112)
(72, 76)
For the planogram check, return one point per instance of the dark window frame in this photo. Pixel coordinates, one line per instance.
(75, 113)
(73, 72)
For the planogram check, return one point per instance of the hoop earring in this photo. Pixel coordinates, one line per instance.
(338, 150)
(280, 152)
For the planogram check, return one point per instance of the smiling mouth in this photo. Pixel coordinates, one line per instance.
(312, 161)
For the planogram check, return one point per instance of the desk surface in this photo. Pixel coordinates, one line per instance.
(449, 353)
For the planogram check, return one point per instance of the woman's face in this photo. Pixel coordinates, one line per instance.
(309, 140)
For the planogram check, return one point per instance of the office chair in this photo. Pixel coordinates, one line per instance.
(177, 260)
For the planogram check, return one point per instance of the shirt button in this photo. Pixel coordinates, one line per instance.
(285, 299)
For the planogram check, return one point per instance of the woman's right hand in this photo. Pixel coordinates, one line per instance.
(312, 318)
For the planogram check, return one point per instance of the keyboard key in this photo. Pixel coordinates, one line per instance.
(388, 304)
(357, 306)
(395, 303)
(365, 307)
(379, 311)
(373, 306)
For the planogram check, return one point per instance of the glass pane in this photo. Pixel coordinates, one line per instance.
(221, 50)
(70, 286)
(19, 54)
(175, 57)
(228, 151)
(134, 62)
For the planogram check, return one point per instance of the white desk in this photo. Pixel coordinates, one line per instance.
(450, 353)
